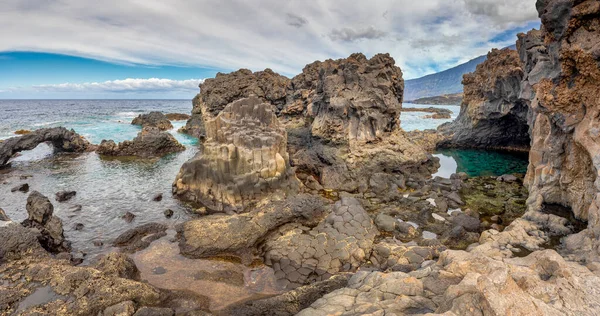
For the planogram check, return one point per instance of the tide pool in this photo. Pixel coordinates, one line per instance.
(476, 163)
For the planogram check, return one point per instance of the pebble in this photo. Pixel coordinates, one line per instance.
(429, 235)
(438, 217)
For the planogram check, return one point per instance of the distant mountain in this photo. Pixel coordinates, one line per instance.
(441, 83)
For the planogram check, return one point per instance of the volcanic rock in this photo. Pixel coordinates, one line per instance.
(61, 139)
(63, 196)
(492, 115)
(153, 119)
(40, 216)
(150, 142)
(243, 159)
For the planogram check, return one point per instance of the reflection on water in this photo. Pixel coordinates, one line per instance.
(477, 163)
(162, 265)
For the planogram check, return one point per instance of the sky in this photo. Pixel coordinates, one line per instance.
(115, 49)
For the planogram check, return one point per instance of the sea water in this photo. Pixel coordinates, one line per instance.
(410, 121)
(106, 188)
(476, 163)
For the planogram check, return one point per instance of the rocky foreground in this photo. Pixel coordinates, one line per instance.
(312, 180)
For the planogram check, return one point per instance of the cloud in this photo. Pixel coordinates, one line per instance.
(351, 35)
(295, 20)
(124, 86)
(502, 12)
(242, 34)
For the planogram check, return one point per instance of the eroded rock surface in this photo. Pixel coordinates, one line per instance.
(341, 242)
(461, 283)
(229, 234)
(563, 72)
(492, 114)
(40, 216)
(62, 139)
(149, 143)
(153, 119)
(243, 159)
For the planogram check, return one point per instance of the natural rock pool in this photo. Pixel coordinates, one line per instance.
(476, 163)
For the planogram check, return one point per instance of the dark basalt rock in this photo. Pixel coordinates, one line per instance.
(63, 196)
(3, 216)
(62, 140)
(140, 237)
(17, 241)
(40, 216)
(128, 217)
(289, 303)
(149, 143)
(153, 119)
(21, 188)
(492, 113)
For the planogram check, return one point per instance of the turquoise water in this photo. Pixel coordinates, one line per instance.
(410, 121)
(106, 188)
(480, 162)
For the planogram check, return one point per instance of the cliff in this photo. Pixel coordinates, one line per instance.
(492, 115)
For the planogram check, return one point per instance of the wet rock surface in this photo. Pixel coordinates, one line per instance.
(40, 216)
(62, 139)
(492, 114)
(149, 143)
(153, 119)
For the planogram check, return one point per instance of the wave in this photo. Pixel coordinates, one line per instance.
(128, 114)
(46, 123)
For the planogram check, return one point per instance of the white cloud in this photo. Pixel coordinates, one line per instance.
(126, 85)
(282, 35)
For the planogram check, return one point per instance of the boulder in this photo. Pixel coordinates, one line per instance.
(3, 216)
(149, 143)
(62, 140)
(243, 159)
(492, 114)
(40, 216)
(140, 237)
(63, 196)
(21, 188)
(17, 242)
(153, 119)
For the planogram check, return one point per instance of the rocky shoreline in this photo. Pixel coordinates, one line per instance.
(320, 204)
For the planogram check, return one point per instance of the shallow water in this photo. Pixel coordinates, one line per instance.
(106, 188)
(477, 163)
(410, 121)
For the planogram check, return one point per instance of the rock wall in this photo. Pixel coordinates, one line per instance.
(563, 75)
(492, 115)
(244, 157)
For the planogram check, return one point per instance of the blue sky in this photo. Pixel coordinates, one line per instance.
(153, 49)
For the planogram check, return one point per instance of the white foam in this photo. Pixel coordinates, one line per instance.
(47, 123)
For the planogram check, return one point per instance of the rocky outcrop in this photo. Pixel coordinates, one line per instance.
(177, 116)
(461, 283)
(492, 115)
(340, 243)
(153, 119)
(149, 143)
(243, 159)
(218, 234)
(40, 216)
(62, 140)
(218, 92)
(341, 117)
(563, 74)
